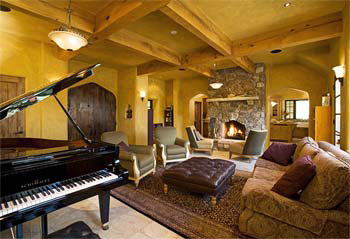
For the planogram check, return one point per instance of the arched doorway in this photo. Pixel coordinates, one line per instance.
(198, 113)
(93, 108)
(289, 114)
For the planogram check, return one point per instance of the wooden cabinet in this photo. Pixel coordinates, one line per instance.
(169, 116)
(323, 123)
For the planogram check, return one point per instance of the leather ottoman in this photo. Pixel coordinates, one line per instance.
(200, 175)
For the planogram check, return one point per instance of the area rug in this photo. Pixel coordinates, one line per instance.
(188, 214)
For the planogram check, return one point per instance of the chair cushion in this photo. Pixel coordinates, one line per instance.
(296, 178)
(301, 144)
(330, 186)
(175, 149)
(144, 160)
(280, 153)
(124, 147)
(205, 144)
(75, 230)
(176, 156)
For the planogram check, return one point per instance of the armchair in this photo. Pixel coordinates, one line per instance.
(199, 143)
(139, 160)
(169, 147)
(252, 146)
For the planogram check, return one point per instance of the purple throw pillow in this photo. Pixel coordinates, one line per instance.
(123, 146)
(296, 178)
(280, 153)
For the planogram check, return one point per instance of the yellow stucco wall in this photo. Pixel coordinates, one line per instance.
(157, 93)
(36, 62)
(298, 77)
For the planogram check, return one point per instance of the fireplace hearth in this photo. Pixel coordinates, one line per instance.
(234, 130)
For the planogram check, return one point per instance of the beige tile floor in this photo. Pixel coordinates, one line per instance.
(124, 222)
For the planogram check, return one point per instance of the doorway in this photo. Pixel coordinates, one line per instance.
(93, 108)
(198, 116)
(10, 87)
(150, 122)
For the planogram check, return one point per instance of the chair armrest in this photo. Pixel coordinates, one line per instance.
(128, 156)
(181, 142)
(141, 149)
(257, 196)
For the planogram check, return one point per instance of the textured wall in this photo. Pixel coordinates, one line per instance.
(239, 83)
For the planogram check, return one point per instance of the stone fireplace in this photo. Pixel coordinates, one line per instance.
(234, 130)
(232, 103)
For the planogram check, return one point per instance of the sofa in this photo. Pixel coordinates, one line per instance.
(321, 211)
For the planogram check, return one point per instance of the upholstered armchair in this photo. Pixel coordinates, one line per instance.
(139, 160)
(198, 142)
(169, 147)
(252, 147)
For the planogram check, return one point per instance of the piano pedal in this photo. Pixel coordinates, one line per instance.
(105, 226)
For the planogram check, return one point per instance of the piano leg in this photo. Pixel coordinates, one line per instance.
(104, 198)
(19, 231)
(44, 226)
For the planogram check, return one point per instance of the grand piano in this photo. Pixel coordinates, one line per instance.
(39, 176)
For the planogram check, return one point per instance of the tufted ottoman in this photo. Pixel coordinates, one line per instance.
(200, 175)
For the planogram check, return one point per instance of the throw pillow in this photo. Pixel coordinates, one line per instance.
(330, 186)
(301, 144)
(280, 153)
(310, 150)
(123, 146)
(296, 178)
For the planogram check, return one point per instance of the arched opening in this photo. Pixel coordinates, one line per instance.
(289, 114)
(198, 113)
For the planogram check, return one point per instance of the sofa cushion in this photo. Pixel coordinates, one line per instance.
(263, 163)
(301, 144)
(175, 149)
(330, 186)
(310, 150)
(280, 153)
(267, 174)
(345, 205)
(337, 152)
(296, 178)
(257, 196)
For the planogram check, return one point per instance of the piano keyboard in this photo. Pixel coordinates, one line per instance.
(33, 197)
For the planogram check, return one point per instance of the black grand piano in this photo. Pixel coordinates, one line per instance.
(39, 176)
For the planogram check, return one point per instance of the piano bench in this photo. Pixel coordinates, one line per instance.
(76, 230)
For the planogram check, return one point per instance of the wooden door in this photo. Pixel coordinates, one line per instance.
(10, 87)
(94, 110)
(198, 116)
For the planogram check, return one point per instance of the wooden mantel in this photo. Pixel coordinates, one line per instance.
(238, 98)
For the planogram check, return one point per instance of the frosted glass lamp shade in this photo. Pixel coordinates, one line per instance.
(216, 85)
(67, 39)
(273, 103)
(339, 71)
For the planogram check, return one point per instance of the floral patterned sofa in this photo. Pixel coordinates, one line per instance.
(322, 211)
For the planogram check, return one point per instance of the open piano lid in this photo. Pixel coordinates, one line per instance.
(11, 107)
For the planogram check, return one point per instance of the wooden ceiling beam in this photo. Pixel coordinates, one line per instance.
(245, 63)
(322, 28)
(44, 9)
(136, 42)
(114, 17)
(191, 18)
(154, 67)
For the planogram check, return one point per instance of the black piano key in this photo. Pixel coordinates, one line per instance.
(31, 194)
(5, 203)
(47, 191)
(42, 192)
(36, 193)
(0, 203)
(49, 188)
(24, 197)
(77, 181)
(14, 200)
(55, 186)
(19, 199)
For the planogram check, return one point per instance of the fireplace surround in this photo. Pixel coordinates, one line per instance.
(241, 84)
(234, 130)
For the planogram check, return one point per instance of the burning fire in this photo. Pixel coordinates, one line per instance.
(233, 131)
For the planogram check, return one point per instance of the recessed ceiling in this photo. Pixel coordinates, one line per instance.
(244, 18)
(110, 54)
(176, 74)
(157, 26)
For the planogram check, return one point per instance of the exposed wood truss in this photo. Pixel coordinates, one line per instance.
(318, 29)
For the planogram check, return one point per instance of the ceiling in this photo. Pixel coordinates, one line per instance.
(236, 18)
(244, 18)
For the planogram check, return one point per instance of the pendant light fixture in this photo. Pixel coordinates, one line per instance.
(67, 38)
(216, 85)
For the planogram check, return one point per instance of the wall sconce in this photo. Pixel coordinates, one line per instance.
(339, 73)
(142, 94)
(273, 103)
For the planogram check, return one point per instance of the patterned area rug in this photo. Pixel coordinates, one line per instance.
(189, 214)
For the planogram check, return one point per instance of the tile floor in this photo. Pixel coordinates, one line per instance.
(124, 222)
